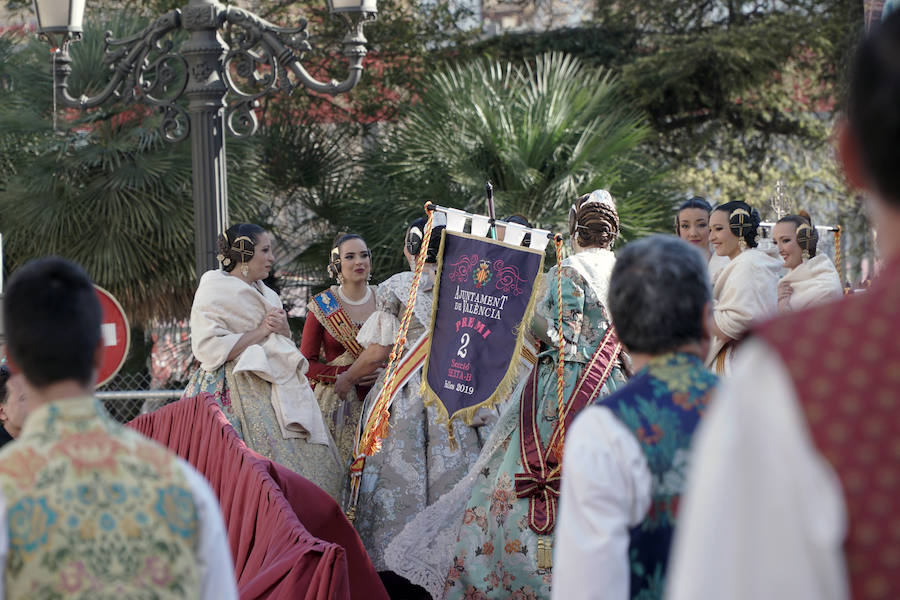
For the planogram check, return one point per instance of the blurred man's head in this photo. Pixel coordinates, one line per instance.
(52, 317)
(659, 296)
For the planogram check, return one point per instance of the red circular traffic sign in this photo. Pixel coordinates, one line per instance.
(115, 336)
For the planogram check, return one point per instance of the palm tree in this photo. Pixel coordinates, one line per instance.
(104, 190)
(542, 132)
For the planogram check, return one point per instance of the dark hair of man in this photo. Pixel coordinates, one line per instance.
(873, 106)
(807, 237)
(743, 220)
(52, 317)
(657, 292)
(225, 243)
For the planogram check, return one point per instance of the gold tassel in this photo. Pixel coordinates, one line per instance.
(544, 552)
(351, 514)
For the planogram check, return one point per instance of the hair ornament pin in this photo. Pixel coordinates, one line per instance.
(223, 259)
(600, 197)
(739, 212)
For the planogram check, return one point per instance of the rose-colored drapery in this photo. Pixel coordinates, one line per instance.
(288, 538)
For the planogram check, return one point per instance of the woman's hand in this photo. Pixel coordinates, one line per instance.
(276, 321)
(784, 296)
(342, 385)
(371, 378)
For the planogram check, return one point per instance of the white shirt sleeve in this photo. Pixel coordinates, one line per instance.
(762, 515)
(605, 491)
(217, 580)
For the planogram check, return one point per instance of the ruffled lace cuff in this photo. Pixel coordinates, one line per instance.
(380, 328)
(571, 348)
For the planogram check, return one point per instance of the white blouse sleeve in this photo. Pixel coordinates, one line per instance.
(762, 515)
(606, 488)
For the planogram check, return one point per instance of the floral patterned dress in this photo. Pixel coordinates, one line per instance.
(416, 464)
(495, 553)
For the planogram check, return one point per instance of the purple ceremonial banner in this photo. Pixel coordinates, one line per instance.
(485, 289)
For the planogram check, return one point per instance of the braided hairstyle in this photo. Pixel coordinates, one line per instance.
(807, 236)
(232, 249)
(594, 220)
(415, 233)
(334, 257)
(743, 220)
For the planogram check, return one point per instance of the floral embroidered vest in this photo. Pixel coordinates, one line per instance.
(94, 510)
(844, 360)
(662, 406)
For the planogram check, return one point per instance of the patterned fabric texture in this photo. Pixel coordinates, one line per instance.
(416, 464)
(495, 553)
(844, 360)
(95, 510)
(245, 399)
(661, 405)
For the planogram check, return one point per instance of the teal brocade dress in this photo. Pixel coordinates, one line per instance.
(495, 554)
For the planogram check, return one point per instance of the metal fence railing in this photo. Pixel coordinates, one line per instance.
(129, 395)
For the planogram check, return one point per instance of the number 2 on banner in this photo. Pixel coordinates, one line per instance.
(462, 349)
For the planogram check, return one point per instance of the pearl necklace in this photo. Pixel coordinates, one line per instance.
(355, 302)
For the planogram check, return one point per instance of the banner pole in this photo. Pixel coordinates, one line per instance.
(489, 191)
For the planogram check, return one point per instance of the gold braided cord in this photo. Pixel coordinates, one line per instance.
(560, 382)
(838, 257)
(376, 427)
(377, 431)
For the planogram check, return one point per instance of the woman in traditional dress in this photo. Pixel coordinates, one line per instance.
(333, 319)
(812, 278)
(240, 336)
(418, 461)
(481, 539)
(744, 291)
(692, 225)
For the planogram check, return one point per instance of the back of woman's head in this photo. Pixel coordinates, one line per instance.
(743, 220)
(594, 220)
(807, 236)
(415, 234)
(237, 244)
(873, 106)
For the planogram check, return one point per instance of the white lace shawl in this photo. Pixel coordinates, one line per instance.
(383, 325)
(744, 292)
(224, 309)
(814, 281)
(423, 551)
(595, 265)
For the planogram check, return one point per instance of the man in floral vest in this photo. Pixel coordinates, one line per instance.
(89, 509)
(625, 457)
(794, 484)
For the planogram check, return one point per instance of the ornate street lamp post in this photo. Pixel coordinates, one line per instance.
(146, 67)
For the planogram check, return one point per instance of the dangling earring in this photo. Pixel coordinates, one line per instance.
(804, 256)
(340, 278)
(742, 244)
(245, 270)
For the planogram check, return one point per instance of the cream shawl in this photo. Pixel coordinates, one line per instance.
(224, 309)
(814, 281)
(745, 291)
